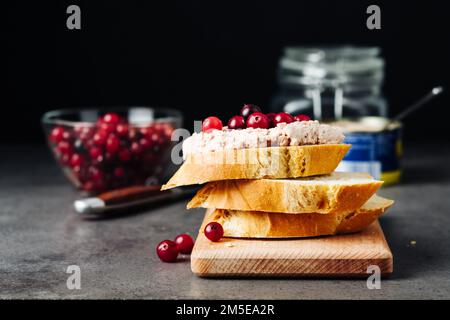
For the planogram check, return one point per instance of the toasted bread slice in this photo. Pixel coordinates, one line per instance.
(254, 224)
(259, 163)
(339, 192)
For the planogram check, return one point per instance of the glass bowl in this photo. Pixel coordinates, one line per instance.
(100, 150)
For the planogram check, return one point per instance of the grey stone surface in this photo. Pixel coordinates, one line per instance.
(40, 236)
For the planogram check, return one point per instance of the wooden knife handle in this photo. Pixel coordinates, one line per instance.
(130, 194)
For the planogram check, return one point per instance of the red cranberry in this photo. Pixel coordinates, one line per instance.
(100, 138)
(214, 231)
(64, 147)
(258, 120)
(88, 186)
(282, 117)
(95, 152)
(211, 123)
(107, 127)
(302, 117)
(167, 251)
(271, 117)
(109, 157)
(56, 134)
(95, 173)
(132, 133)
(122, 129)
(146, 131)
(135, 148)
(248, 109)
(145, 143)
(110, 118)
(67, 135)
(184, 243)
(65, 159)
(112, 144)
(76, 160)
(236, 122)
(124, 155)
(119, 172)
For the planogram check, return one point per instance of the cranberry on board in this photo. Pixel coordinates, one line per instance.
(258, 120)
(167, 251)
(211, 123)
(302, 117)
(236, 122)
(214, 231)
(248, 109)
(56, 134)
(271, 117)
(184, 243)
(282, 117)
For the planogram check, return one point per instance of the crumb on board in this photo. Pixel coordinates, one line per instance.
(229, 244)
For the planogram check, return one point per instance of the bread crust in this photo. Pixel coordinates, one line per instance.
(254, 224)
(287, 196)
(258, 163)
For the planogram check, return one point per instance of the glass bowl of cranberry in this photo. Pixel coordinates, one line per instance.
(101, 150)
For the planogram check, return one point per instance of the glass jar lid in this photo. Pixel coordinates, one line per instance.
(348, 67)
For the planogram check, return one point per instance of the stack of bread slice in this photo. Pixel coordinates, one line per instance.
(281, 192)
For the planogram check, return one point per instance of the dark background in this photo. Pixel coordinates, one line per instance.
(206, 57)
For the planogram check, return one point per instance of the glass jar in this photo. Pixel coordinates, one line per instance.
(331, 82)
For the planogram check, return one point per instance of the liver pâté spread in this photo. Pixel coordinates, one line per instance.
(284, 134)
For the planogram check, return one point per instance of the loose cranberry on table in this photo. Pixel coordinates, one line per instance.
(302, 117)
(258, 120)
(184, 243)
(236, 122)
(214, 231)
(282, 117)
(211, 123)
(248, 109)
(167, 251)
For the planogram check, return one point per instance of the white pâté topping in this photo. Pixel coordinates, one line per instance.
(297, 133)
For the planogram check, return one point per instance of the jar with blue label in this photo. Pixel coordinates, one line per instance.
(376, 147)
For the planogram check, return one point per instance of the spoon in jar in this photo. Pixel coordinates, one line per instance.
(420, 103)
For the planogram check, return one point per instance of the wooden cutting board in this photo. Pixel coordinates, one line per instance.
(334, 256)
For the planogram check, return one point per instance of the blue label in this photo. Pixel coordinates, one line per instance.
(382, 147)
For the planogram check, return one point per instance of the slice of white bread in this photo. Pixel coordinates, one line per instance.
(338, 192)
(254, 224)
(258, 163)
